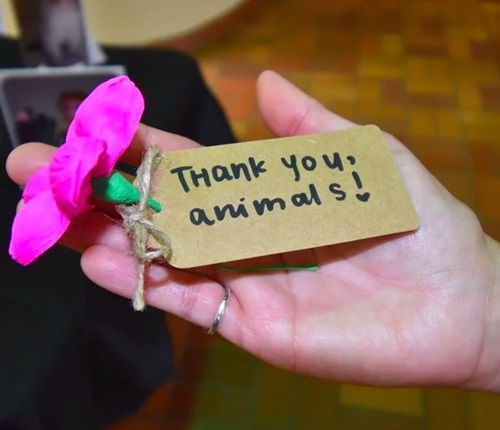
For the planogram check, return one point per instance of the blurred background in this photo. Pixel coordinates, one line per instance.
(427, 71)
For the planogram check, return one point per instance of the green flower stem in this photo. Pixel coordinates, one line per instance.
(118, 190)
(309, 267)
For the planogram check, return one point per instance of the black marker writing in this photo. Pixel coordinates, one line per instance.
(309, 163)
(292, 164)
(337, 191)
(268, 204)
(361, 197)
(189, 177)
(335, 162)
(301, 199)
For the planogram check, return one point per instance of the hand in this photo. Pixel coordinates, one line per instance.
(417, 308)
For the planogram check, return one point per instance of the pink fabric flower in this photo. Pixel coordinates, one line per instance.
(102, 129)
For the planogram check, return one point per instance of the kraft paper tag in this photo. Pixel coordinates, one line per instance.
(243, 200)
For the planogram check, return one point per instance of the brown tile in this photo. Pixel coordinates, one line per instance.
(482, 49)
(299, 78)
(156, 405)
(191, 366)
(439, 154)
(485, 158)
(490, 97)
(271, 384)
(482, 72)
(240, 128)
(383, 22)
(337, 40)
(460, 184)
(491, 227)
(482, 126)
(424, 43)
(183, 399)
(469, 97)
(370, 43)
(168, 425)
(319, 405)
(488, 191)
(433, 26)
(423, 122)
(426, 9)
(333, 86)
(230, 370)
(458, 44)
(355, 418)
(257, 130)
(179, 330)
(210, 70)
(344, 108)
(485, 413)
(395, 91)
(217, 408)
(390, 117)
(384, 67)
(136, 423)
(290, 61)
(238, 94)
(433, 100)
(429, 75)
(369, 89)
(404, 401)
(447, 409)
(344, 64)
(449, 124)
(238, 69)
(392, 44)
(429, 49)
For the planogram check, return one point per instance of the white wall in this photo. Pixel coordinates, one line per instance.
(129, 22)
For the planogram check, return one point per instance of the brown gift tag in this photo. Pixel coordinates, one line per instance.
(252, 199)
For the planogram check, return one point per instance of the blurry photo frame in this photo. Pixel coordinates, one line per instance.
(39, 103)
(52, 32)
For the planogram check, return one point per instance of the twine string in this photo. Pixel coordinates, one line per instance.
(139, 226)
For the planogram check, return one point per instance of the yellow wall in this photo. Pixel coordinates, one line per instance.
(8, 19)
(129, 22)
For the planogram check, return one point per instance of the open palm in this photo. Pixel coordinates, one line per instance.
(406, 309)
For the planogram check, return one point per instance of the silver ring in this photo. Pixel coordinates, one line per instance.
(221, 310)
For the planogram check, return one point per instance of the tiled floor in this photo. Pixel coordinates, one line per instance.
(427, 71)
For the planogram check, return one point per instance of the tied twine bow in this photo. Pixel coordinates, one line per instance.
(136, 207)
(139, 226)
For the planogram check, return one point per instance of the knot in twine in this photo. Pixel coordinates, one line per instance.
(138, 224)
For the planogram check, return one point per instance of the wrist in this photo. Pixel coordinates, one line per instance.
(487, 375)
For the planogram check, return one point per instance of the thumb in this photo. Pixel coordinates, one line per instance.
(287, 111)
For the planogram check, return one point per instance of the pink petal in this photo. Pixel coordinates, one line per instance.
(112, 113)
(37, 183)
(37, 226)
(71, 172)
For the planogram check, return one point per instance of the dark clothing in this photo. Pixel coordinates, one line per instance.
(73, 356)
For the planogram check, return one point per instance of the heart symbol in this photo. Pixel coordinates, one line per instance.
(363, 197)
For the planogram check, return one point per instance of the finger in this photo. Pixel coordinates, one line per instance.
(147, 136)
(180, 292)
(94, 228)
(30, 157)
(26, 159)
(288, 111)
